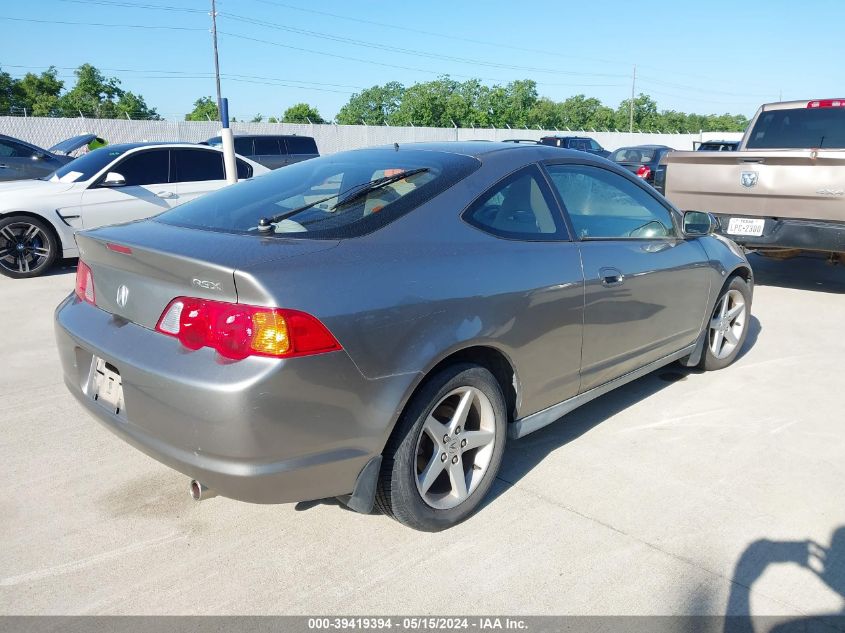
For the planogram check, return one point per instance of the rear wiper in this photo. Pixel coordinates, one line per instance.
(265, 225)
(378, 183)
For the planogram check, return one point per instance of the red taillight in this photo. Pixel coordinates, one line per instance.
(236, 330)
(85, 283)
(644, 171)
(827, 103)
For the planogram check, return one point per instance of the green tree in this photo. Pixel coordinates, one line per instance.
(98, 96)
(205, 108)
(272, 119)
(7, 93)
(258, 118)
(302, 113)
(374, 106)
(39, 94)
(645, 114)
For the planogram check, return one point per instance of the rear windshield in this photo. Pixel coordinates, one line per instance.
(86, 166)
(803, 128)
(319, 185)
(633, 155)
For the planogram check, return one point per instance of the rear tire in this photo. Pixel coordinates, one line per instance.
(727, 328)
(28, 246)
(445, 451)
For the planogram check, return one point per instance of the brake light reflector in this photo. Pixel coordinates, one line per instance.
(119, 248)
(236, 330)
(644, 171)
(827, 103)
(85, 283)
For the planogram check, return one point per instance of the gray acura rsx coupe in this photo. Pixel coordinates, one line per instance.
(372, 325)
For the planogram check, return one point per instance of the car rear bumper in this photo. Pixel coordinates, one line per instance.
(810, 235)
(259, 430)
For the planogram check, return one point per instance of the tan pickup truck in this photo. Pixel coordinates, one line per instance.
(783, 189)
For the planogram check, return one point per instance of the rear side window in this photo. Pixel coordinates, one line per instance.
(313, 199)
(266, 146)
(244, 169)
(15, 150)
(803, 128)
(243, 146)
(194, 165)
(519, 207)
(151, 167)
(605, 205)
(300, 145)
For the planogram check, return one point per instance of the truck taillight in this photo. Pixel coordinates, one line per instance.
(85, 283)
(827, 103)
(236, 330)
(644, 171)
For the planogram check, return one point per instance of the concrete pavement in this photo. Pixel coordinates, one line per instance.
(673, 495)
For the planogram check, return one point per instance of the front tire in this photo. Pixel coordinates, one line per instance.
(728, 326)
(28, 247)
(445, 451)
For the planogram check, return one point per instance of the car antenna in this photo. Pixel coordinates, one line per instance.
(396, 146)
(264, 225)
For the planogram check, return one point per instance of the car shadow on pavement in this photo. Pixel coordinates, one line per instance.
(522, 455)
(826, 563)
(62, 267)
(808, 271)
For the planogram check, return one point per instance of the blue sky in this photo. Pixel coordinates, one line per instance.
(708, 57)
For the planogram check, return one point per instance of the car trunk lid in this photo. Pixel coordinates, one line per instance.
(139, 268)
(803, 184)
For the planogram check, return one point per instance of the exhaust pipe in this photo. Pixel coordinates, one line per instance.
(199, 491)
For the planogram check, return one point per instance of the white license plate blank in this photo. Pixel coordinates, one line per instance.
(746, 226)
(106, 386)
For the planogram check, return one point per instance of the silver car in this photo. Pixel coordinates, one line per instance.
(374, 324)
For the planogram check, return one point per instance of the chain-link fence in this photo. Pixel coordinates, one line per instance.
(330, 138)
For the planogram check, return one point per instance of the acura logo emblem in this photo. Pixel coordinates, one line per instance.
(122, 296)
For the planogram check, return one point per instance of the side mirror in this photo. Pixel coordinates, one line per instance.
(113, 179)
(39, 156)
(698, 223)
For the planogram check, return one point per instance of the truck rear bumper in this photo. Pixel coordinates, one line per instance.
(809, 235)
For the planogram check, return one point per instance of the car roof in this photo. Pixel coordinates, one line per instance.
(476, 148)
(646, 147)
(126, 147)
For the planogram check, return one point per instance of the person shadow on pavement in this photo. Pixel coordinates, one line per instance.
(827, 563)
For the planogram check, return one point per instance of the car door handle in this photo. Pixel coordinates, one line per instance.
(4, 167)
(166, 194)
(611, 277)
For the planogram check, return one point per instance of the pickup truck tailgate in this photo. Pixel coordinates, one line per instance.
(805, 184)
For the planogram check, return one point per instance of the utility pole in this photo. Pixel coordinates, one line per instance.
(216, 60)
(631, 107)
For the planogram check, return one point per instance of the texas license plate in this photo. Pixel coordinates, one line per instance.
(746, 226)
(106, 387)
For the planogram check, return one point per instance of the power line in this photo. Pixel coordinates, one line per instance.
(133, 5)
(407, 51)
(128, 26)
(376, 63)
(435, 34)
(497, 44)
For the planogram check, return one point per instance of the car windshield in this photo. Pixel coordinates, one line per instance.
(633, 155)
(803, 128)
(85, 167)
(304, 196)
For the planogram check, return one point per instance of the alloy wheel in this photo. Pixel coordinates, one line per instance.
(727, 324)
(455, 447)
(23, 247)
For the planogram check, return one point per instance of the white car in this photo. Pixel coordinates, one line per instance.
(110, 185)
